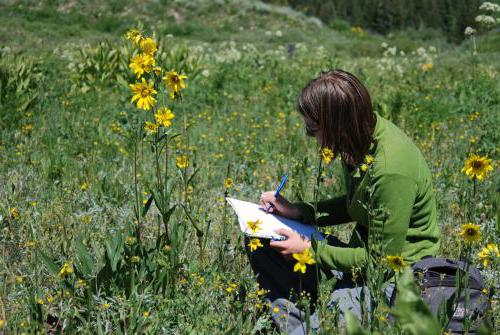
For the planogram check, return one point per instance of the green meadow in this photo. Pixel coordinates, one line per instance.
(108, 229)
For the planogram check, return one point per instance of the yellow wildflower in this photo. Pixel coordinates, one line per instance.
(143, 94)
(427, 66)
(39, 301)
(254, 244)
(142, 63)
(80, 283)
(135, 259)
(228, 183)
(364, 167)
(181, 162)
(164, 117)
(488, 253)
(49, 298)
(261, 292)
(396, 263)
(231, 288)
(369, 159)
(303, 258)
(66, 269)
(470, 232)
(254, 226)
(327, 155)
(134, 35)
(148, 46)
(14, 213)
(276, 310)
(477, 167)
(150, 128)
(146, 314)
(19, 279)
(175, 83)
(130, 240)
(27, 128)
(84, 186)
(105, 306)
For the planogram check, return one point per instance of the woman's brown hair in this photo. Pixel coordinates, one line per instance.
(338, 105)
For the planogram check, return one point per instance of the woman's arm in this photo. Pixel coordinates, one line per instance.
(394, 196)
(334, 212)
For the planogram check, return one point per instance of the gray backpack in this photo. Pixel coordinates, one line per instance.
(437, 278)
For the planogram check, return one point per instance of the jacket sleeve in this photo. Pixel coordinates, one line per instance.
(393, 199)
(335, 210)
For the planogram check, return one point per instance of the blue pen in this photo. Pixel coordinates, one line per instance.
(277, 193)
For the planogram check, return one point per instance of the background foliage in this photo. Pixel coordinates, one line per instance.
(67, 134)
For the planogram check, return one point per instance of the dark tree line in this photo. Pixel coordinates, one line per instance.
(450, 16)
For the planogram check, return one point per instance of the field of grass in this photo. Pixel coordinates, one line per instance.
(100, 235)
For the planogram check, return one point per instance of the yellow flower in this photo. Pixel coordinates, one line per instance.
(14, 213)
(27, 128)
(228, 183)
(146, 314)
(39, 301)
(396, 263)
(254, 225)
(369, 159)
(135, 259)
(150, 128)
(488, 253)
(19, 279)
(181, 162)
(66, 269)
(84, 186)
(477, 167)
(231, 288)
(134, 35)
(148, 46)
(427, 66)
(254, 244)
(327, 155)
(164, 117)
(143, 93)
(49, 298)
(175, 83)
(470, 233)
(166, 248)
(80, 283)
(142, 63)
(105, 306)
(130, 240)
(261, 292)
(303, 258)
(276, 310)
(364, 167)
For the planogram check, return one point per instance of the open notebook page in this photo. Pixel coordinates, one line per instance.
(247, 211)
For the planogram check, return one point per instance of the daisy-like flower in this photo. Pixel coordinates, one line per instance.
(142, 63)
(175, 83)
(134, 36)
(148, 46)
(327, 155)
(303, 259)
(396, 263)
(364, 167)
(470, 232)
(427, 66)
(254, 226)
(181, 162)
(66, 269)
(369, 159)
(228, 183)
(488, 253)
(476, 167)
(254, 244)
(143, 94)
(164, 117)
(150, 128)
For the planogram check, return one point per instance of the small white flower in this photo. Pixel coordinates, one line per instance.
(491, 7)
(205, 73)
(486, 20)
(469, 31)
(268, 33)
(279, 33)
(384, 45)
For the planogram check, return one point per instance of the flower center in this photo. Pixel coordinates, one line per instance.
(477, 165)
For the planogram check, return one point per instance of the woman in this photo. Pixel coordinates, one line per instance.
(337, 111)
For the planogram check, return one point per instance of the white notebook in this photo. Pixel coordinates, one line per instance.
(248, 211)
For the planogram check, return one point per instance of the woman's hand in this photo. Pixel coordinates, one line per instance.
(294, 243)
(280, 205)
